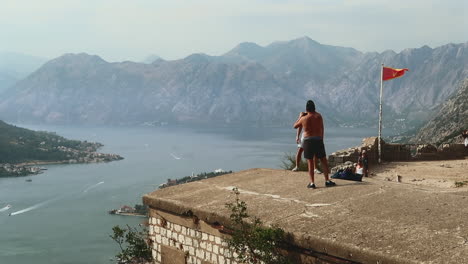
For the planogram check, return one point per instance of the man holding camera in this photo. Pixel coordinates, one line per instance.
(311, 123)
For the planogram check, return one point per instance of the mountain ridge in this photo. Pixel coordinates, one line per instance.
(249, 84)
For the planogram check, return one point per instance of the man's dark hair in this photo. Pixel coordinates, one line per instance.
(310, 106)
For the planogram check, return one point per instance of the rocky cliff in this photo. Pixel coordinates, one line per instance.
(446, 125)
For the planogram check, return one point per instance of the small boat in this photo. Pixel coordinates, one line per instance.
(29, 180)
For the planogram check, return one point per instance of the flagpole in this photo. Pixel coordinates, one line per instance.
(380, 114)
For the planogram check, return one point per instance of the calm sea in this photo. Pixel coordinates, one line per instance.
(62, 214)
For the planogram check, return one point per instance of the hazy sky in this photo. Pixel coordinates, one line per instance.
(132, 29)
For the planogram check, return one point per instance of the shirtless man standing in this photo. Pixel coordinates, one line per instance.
(311, 123)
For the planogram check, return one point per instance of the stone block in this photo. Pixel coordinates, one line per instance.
(209, 247)
(214, 258)
(200, 253)
(181, 239)
(191, 251)
(188, 241)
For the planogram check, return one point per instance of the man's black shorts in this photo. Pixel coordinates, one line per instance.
(313, 147)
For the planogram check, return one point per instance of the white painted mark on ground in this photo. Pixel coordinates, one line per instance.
(309, 215)
(317, 205)
(277, 197)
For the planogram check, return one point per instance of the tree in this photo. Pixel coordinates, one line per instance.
(134, 245)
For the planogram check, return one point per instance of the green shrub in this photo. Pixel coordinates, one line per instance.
(461, 184)
(134, 245)
(251, 241)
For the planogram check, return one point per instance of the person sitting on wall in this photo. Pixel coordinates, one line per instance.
(364, 160)
(359, 168)
(348, 174)
(465, 137)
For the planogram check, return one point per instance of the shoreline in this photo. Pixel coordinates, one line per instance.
(33, 163)
(25, 169)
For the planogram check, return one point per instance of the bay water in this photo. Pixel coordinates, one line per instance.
(61, 215)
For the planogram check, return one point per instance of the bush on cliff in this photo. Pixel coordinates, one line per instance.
(252, 242)
(134, 245)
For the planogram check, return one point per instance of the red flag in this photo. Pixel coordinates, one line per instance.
(390, 73)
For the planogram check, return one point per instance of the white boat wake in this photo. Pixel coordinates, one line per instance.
(93, 186)
(174, 156)
(5, 208)
(33, 207)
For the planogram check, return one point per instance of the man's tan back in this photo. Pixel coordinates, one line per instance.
(312, 125)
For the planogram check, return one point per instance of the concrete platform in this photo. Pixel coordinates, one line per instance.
(375, 221)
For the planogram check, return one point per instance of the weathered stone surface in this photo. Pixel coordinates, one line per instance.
(370, 222)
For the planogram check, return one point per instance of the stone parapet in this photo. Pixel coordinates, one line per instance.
(188, 222)
(397, 152)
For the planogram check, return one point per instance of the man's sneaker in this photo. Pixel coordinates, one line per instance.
(317, 171)
(329, 184)
(311, 186)
(295, 169)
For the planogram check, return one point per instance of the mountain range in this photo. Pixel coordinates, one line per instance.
(249, 84)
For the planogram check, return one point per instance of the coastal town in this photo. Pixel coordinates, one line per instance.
(9, 170)
(73, 156)
(138, 210)
(193, 177)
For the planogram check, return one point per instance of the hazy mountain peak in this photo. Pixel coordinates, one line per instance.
(152, 58)
(388, 53)
(247, 50)
(79, 58)
(198, 58)
(304, 41)
(245, 46)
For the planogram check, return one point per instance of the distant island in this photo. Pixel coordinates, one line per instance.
(201, 176)
(21, 150)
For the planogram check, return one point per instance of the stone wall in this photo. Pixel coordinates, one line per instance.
(352, 154)
(179, 240)
(397, 152)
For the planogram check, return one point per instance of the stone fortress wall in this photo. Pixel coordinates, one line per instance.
(397, 152)
(180, 236)
(179, 239)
